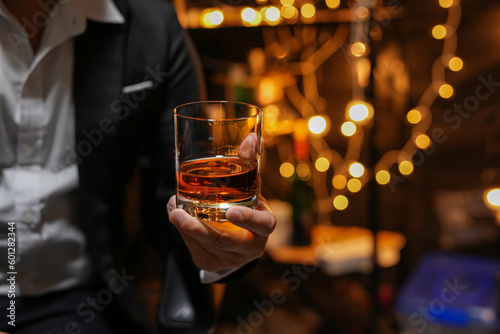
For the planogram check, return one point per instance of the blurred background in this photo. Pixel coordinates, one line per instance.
(380, 118)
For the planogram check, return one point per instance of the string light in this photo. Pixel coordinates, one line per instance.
(287, 169)
(289, 12)
(445, 91)
(439, 31)
(251, 17)
(359, 111)
(308, 11)
(383, 177)
(356, 169)
(446, 3)
(348, 129)
(423, 141)
(354, 185)
(340, 202)
(406, 167)
(413, 116)
(322, 164)
(339, 181)
(303, 171)
(455, 64)
(287, 2)
(211, 18)
(318, 125)
(272, 15)
(493, 197)
(332, 4)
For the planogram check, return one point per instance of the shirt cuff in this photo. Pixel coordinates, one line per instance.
(213, 276)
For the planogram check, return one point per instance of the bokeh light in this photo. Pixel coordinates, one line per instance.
(322, 164)
(287, 169)
(354, 185)
(339, 181)
(333, 4)
(439, 31)
(414, 116)
(303, 171)
(356, 169)
(348, 129)
(272, 15)
(423, 141)
(446, 91)
(456, 64)
(383, 177)
(493, 197)
(405, 167)
(308, 11)
(340, 202)
(317, 125)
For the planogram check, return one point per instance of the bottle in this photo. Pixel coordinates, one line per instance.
(302, 193)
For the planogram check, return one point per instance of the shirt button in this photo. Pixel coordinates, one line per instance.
(28, 217)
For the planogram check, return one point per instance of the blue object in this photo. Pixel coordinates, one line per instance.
(452, 290)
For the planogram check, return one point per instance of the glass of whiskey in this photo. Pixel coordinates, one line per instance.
(217, 157)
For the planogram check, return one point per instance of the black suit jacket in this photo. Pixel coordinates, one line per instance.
(118, 132)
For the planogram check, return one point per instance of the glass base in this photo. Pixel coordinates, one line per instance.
(213, 212)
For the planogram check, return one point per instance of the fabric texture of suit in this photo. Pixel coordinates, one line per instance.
(119, 132)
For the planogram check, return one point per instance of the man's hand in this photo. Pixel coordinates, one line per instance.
(219, 246)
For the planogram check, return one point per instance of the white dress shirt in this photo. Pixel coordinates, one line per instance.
(37, 180)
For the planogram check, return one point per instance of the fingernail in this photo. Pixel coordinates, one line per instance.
(236, 215)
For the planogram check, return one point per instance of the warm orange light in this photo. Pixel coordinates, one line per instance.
(317, 125)
(289, 12)
(456, 64)
(322, 164)
(303, 171)
(340, 202)
(339, 181)
(358, 49)
(354, 185)
(493, 197)
(423, 141)
(333, 4)
(414, 116)
(359, 111)
(439, 31)
(251, 17)
(356, 169)
(287, 169)
(362, 13)
(383, 177)
(446, 91)
(405, 167)
(272, 14)
(348, 129)
(446, 3)
(308, 11)
(287, 2)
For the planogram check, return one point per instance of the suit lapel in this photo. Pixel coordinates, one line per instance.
(98, 80)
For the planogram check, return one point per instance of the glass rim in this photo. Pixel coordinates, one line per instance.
(252, 106)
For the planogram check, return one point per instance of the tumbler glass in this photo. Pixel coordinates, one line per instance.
(218, 153)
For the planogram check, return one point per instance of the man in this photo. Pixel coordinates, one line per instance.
(87, 92)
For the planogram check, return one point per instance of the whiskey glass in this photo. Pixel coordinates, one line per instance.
(217, 157)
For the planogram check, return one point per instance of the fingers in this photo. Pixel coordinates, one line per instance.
(215, 235)
(260, 221)
(249, 147)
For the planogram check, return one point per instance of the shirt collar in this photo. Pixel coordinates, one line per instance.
(97, 10)
(101, 10)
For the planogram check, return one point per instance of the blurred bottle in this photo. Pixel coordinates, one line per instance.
(302, 193)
